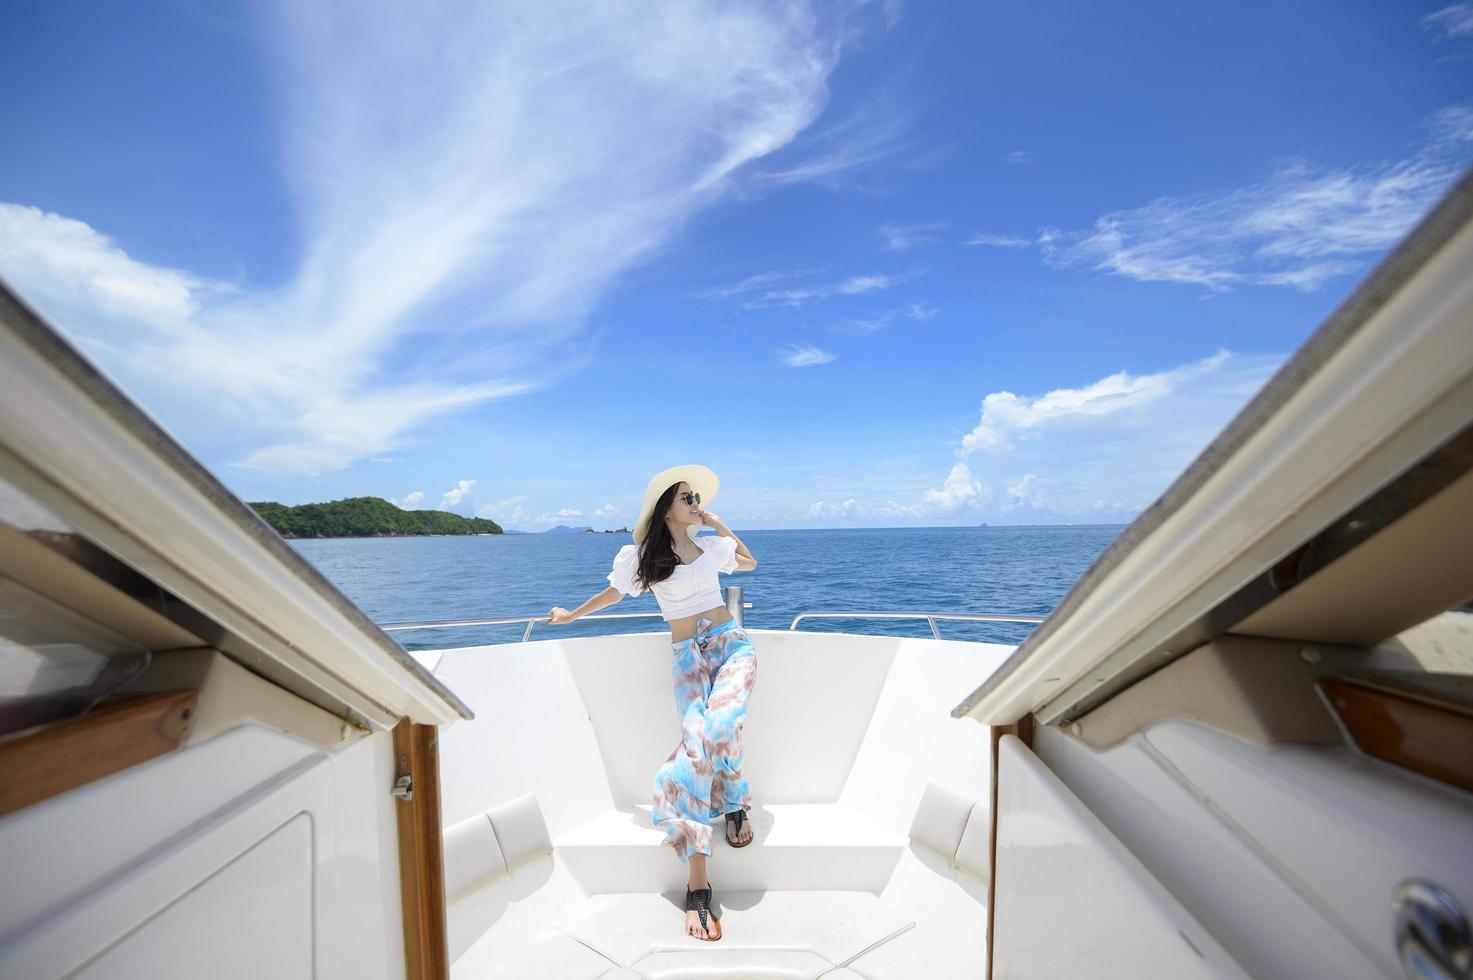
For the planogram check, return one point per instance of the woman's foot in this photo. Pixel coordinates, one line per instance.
(697, 896)
(738, 829)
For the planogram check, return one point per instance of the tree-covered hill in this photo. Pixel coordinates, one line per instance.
(365, 517)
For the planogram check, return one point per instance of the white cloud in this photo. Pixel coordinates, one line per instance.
(1004, 414)
(411, 500)
(805, 355)
(960, 490)
(505, 512)
(1019, 156)
(561, 517)
(920, 311)
(472, 177)
(999, 241)
(607, 510)
(387, 459)
(457, 494)
(1025, 493)
(55, 256)
(1299, 227)
(1100, 450)
(898, 238)
(1455, 21)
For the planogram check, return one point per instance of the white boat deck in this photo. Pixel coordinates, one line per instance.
(870, 814)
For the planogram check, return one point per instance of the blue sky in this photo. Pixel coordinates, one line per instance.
(877, 264)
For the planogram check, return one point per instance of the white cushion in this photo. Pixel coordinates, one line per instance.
(520, 830)
(941, 818)
(472, 856)
(833, 925)
(971, 853)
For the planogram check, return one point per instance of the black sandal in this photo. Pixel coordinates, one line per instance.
(700, 901)
(736, 817)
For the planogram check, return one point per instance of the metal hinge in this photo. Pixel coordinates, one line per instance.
(404, 788)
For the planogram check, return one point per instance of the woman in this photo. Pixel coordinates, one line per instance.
(714, 666)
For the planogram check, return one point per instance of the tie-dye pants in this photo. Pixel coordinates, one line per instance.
(702, 779)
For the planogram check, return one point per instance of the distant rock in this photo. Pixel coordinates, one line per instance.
(564, 529)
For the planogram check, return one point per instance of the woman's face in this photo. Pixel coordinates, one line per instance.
(682, 513)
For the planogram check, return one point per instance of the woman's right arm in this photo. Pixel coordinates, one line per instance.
(557, 616)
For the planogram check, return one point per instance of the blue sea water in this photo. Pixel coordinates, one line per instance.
(1022, 570)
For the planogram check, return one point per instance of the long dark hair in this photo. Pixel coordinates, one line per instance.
(657, 558)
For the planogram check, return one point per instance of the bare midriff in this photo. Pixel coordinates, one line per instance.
(685, 627)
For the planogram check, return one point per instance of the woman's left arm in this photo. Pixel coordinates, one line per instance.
(746, 561)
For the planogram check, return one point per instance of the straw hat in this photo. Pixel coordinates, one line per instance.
(701, 480)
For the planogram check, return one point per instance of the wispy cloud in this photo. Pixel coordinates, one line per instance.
(1299, 227)
(920, 311)
(1019, 156)
(794, 296)
(1455, 21)
(898, 238)
(760, 282)
(870, 134)
(999, 241)
(477, 190)
(1005, 414)
(863, 326)
(805, 355)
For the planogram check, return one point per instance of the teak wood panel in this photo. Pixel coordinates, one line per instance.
(421, 860)
(48, 760)
(1428, 732)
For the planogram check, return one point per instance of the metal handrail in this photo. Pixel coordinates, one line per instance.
(500, 620)
(531, 621)
(929, 617)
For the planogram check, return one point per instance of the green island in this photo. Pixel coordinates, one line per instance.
(365, 517)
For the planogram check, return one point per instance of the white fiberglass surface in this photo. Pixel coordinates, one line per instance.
(583, 724)
(870, 804)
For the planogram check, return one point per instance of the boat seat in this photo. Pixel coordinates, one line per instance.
(796, 846)
(508, 919)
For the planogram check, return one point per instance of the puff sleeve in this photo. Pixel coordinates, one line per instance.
(626, 563)
(723, 551)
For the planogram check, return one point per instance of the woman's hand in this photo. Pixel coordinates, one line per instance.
(557, 616)
(712, 521)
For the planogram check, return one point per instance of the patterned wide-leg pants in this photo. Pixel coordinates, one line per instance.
(702, 779)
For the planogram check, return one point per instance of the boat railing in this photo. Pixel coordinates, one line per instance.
(734, 605)
(929, 617)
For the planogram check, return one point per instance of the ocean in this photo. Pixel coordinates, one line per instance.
(1023, 570)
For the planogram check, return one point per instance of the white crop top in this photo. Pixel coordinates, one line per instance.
(690, 588)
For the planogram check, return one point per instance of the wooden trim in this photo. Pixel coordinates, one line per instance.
(1023, 728)
(1428, 732)
(421, 858)
(48, 760)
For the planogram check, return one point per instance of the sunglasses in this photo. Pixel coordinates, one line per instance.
(689, 498)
